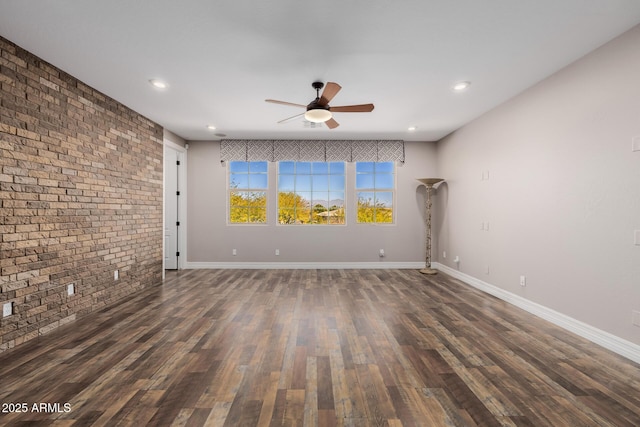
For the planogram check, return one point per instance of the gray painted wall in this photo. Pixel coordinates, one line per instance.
(545, 186)
(562, 198)
(211, 239)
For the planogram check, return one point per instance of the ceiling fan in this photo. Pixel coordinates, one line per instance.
(319, 111)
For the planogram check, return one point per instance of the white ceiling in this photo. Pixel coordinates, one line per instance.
(223, 58)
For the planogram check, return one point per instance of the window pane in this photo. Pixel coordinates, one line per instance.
(320, 183)
(366, 197)
(384, 181)
(336, 168)
(364, 167)
(336, 182)
(320, 217)
(320, 168)
(258, 167)
(364, 181)
(384, 199)
(337, 217)
(288, 199)
(238, 215)
(258, 180)
(384, 216)
(239, 166)
(258, 199)
(305, 196)
(336, 198)
(303, 167)
(375, 206)
(286, 216)
(303, 182)
(246, 205)
(239, 181)
(366, 208)
(384, 207)
(286, 183)
(238, 198)
(384, 167)
(310, 194)
(286, 167)
(320, 212)
(257, 215)
(303, 216)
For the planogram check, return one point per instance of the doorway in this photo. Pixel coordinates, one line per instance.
(174, 226)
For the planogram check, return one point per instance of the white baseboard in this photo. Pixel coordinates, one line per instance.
(611, 342)
(303, 265)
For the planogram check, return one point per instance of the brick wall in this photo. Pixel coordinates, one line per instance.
(80, 196)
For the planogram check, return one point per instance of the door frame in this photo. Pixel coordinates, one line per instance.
(182, 202)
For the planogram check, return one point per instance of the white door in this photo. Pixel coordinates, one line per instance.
(171, 219)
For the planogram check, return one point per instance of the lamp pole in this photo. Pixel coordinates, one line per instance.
(429, 183)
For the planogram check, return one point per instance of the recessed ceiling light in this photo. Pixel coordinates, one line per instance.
(211, 127)
(159, 84)
(412, 128)
(460, 86)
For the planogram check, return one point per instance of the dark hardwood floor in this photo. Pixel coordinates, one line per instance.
(315, 347)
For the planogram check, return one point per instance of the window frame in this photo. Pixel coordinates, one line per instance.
(249, 189)
(374, 190)
(311, 174)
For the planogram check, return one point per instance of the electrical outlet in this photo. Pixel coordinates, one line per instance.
(234, 252)
(444, 254)
(116, 274)
(71, 289)
(456, 259)
(277, 252)
(523, 281)
(381, 253)
(7, 309)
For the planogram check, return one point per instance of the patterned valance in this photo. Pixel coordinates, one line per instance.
(312, 150)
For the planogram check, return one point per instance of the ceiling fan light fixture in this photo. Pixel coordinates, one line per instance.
(318, 115)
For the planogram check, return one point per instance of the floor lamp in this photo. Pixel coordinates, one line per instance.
(429, 183)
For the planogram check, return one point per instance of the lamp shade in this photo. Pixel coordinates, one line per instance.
(318, 115)
(430, 181)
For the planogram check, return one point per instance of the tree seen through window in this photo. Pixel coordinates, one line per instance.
(311, 193)
(375, 186)
(248, 183)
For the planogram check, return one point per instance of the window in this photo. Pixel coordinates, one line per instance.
(311, 192)
(248, 192)
(375, 187)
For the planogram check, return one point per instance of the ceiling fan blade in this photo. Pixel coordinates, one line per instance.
(290, 118)
(362, 108)
(331, 123)
(275, 101)
(330, 90)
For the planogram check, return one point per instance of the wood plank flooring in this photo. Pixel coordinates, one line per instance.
(316, 348)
